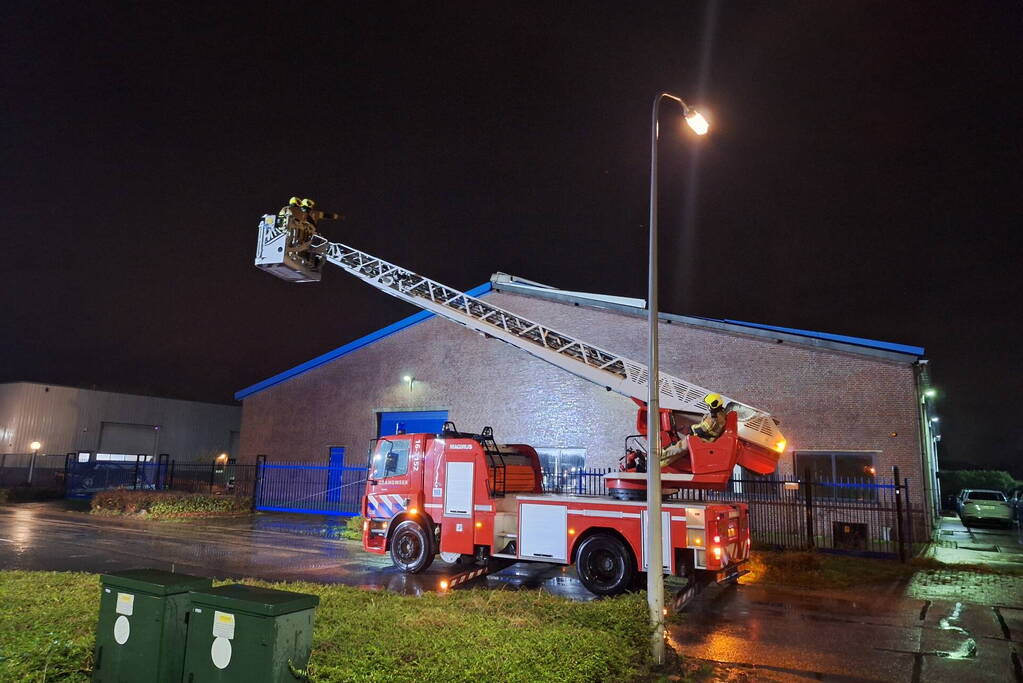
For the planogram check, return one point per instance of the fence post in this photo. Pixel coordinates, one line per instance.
(260, 461)
(898, 514)
(213, 474)
(808, 497)
(909, 514)
(171, 476)
(135, 481)
(67, 469)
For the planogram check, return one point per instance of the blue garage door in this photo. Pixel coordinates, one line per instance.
(418, 422)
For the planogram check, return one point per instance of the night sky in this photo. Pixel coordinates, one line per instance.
(862, 176)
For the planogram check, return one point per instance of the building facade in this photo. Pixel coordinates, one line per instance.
(65, 419)
(849, 407)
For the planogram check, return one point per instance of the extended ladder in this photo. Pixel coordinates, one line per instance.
(616, 373)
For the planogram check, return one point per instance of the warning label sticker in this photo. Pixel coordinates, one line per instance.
(223, 625)
(125, 604)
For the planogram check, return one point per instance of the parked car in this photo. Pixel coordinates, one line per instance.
(1016, 503)
(984, 505)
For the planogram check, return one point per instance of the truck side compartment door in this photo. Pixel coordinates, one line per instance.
(665, 541)
(457, 519)
(543, 532)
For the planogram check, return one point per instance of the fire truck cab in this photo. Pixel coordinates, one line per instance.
(469, 499)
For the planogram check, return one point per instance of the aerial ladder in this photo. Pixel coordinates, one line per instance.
(290, 247)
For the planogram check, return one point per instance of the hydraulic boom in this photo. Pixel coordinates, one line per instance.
(290, 248)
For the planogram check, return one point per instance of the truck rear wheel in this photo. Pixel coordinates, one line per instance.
(605, 565)
(411, 547)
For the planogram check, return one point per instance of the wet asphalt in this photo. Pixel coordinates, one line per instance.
(746, 632)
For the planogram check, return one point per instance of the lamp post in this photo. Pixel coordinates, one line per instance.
(654, 574)
(35, 446)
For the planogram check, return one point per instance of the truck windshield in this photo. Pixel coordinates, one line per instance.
(389, 459)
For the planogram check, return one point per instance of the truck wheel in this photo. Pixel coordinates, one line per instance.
(605, 565)
(411, 549)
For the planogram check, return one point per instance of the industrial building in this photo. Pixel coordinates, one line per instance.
(60, 420)
(849, 407)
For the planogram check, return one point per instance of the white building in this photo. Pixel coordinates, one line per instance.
(65, 419)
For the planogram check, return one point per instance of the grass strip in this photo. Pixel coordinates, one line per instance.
(48, 620)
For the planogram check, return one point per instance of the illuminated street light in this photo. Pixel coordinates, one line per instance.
(654, 577)
(697, 122)
(931, 393)
(35, 446)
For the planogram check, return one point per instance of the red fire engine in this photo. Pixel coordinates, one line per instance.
(480, 503)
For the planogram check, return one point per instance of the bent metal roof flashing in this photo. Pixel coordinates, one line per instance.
(508, 283)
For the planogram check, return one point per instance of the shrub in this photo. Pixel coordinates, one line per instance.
(353, 529)
(954, 481)
(166, 503)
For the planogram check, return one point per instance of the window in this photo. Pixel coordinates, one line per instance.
(563, 468)
(389, 459)
(848, 475)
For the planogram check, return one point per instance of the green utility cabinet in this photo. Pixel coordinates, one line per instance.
(247, 634)
(143, 617)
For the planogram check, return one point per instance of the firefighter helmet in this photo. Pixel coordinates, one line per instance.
(294, 201)
(308, 203)
(714, 401)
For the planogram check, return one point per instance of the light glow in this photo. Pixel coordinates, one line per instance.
(443, 584)
(571, 532)
(35, 445)
(413, 511)
(717, 553)
(479, 525)
(697, 122)
(780, 446)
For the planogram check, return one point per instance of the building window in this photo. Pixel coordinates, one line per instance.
(846, 475)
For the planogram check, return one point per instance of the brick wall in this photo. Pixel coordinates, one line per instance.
(826, 400)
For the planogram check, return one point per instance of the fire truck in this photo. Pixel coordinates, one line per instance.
(481, 504)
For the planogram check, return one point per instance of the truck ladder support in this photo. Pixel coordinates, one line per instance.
(600, 366)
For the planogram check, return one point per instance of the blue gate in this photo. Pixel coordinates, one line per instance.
(316, 489)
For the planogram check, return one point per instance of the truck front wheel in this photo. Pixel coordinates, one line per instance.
(604, 565)
(411, 547)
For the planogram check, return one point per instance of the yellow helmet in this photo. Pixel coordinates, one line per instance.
(308, 203)
(294, 201)
(714, 401)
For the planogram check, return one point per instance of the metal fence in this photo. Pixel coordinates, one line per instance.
(82, 479)
(309, 488)
(42, 472)
(860, 516)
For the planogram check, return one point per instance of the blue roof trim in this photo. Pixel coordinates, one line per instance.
(858, 341)
(348, 348)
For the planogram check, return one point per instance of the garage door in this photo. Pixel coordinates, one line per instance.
(416, 422)
(120, 438)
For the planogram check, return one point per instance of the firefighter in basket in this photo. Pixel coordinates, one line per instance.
(709, 429)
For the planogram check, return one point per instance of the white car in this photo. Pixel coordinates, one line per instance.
(984, 506)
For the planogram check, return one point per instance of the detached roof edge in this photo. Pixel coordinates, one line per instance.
(836, 342)
(350, 347)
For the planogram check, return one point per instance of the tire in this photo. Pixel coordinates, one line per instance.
(411, 547)
(605, 565)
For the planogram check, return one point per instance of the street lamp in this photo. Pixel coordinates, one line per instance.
(654, 574)
(35, 446)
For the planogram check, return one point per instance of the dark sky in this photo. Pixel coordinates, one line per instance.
(863, 176)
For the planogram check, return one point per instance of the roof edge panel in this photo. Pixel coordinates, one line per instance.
(350, 347)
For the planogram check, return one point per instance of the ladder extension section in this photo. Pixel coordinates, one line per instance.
(608, 369)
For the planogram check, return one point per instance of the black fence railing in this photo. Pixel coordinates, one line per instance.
(870, 516)
(81, 479)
